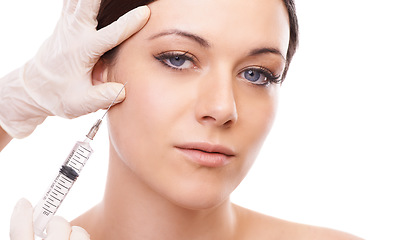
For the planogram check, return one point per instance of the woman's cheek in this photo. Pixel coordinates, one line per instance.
(257, 115)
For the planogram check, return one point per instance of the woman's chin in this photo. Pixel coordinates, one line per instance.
(199, 199)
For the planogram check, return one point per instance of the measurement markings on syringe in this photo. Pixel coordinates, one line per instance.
(47, 211)
(61, 187)
(64, 186)
(78, 158)
(60, 184)
(53, 197)
(58, 192)
(77, 161)
(85, 149)
(50, 203)
(66, 179)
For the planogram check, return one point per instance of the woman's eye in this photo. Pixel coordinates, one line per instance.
(176, 60)
(259, 76)
(252, 75)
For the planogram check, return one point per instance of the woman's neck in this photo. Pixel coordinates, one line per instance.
(132, 210)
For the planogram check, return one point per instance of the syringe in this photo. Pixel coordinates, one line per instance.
(67, 175)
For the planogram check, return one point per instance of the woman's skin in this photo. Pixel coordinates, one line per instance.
(4, 138)
(161, 183)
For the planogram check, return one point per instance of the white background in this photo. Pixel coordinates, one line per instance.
(331, 159)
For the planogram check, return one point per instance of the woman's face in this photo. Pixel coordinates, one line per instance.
(201, 95)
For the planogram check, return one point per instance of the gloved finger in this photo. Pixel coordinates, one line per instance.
(58, 229)
(114, 34)
(79, 233)
(88, 9)
(21, 225)
(70, 6)
(102, 95)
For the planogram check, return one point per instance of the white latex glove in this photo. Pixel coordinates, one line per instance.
(57, 81)
(21, 225)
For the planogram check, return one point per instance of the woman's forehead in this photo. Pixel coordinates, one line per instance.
(224, 21)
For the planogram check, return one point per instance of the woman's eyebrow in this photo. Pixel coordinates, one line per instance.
(266, 50)
(202, 42)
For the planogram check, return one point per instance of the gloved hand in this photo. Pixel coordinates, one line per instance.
(21, 225)
(57, 81)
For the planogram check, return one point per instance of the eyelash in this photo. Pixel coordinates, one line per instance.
(164, 56)
(270, 78)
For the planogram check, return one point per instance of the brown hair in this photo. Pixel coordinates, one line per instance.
(111, 10)
(294, 31)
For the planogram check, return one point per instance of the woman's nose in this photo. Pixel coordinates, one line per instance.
(216, 103)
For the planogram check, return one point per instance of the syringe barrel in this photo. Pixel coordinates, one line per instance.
(60, 187)
(79, 155)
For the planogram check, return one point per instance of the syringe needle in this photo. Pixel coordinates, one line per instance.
(113, 101)
(97, 124)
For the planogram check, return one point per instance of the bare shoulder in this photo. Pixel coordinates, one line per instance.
(313, 232)
(253, 226)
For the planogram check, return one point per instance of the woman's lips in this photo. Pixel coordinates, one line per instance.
(207, 155)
